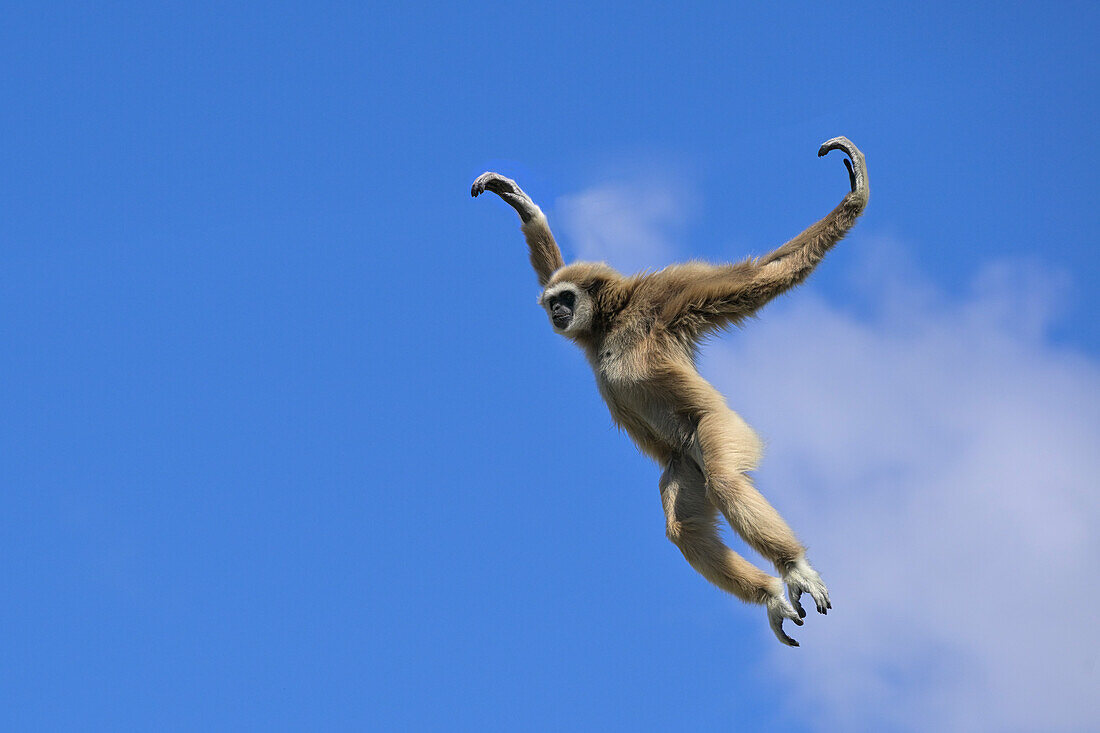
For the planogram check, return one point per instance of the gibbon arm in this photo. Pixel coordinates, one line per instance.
(791, 264)
(545, 255)
(724, 295)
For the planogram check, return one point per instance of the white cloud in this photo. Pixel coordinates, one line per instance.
(941, 460)
(628, 224)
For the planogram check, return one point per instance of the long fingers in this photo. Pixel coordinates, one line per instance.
(857, 168)
(494, 182)
(821, 599)
(795, 595)
(508, 190)
(800, 578)
(779, 610)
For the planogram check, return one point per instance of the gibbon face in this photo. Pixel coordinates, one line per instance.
(580, 297)
(570, 308)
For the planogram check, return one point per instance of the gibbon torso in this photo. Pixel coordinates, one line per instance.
(641, 370)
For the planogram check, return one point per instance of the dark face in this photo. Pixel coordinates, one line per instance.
(561, 308)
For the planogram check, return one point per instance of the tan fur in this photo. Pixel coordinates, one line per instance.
(641, 333)
(545, 255)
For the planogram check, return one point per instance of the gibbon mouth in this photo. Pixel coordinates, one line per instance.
(560, 315)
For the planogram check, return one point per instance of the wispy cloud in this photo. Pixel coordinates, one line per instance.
(941, 458)
(628, 224)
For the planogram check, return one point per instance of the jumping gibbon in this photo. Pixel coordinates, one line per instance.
(641, 335)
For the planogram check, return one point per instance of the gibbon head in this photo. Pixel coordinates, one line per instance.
(569, 306)
(577, 297)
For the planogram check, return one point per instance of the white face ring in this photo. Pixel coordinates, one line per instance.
(582, 306)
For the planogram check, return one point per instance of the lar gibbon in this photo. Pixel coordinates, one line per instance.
(641, 334)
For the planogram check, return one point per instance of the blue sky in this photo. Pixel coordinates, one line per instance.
(288, 444)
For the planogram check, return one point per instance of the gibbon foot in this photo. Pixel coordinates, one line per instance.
(801, 578)
(779, 610)
(508, 190)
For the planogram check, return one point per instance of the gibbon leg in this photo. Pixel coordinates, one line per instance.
(750, 514)
(691, 525)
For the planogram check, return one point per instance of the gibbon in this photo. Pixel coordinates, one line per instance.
(641, 335)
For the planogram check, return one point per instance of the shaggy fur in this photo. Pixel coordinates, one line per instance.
(641, 334)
